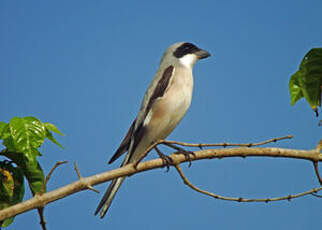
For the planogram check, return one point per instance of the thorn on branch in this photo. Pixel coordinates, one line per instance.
(80, 177)
(90, 187)
(77, 171)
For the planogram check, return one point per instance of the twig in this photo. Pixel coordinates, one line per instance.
(316, 169)
(42, 218)
(316, 163)
(50, 173)
(228, 144)
(240, 199)
(90, 187)
(207, 145)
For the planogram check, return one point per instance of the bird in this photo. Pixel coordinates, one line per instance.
(164, 104)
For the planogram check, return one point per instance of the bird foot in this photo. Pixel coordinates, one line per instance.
(167, 161)
(186, 153)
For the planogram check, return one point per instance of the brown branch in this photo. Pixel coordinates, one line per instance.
(240, 199)
(85, 182)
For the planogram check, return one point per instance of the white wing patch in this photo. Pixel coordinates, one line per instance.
(147, 118)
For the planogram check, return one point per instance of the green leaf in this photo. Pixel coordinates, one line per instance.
(2, 125)
(7, 222)
(35, 130)
(49, 135)
(23, 137)
(32, 171)
(5, 132)
(26, 136)
(36, 178)
(307, 81)
(295, 88)
(19, 190)
(53, 128)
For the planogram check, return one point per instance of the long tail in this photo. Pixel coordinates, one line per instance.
(112, 189)
(108, 196)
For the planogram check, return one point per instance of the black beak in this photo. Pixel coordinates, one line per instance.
(201, 54)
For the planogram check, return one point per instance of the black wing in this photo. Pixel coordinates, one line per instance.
(140, 130)
(125, 144)
(161, 87)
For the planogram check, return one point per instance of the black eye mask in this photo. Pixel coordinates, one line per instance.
(185, 48)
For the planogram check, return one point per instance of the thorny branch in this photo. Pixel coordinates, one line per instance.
(85, 183)
(240, 199)
(225, 144)
(200, 146)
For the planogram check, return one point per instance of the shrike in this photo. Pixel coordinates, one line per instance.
(165, 102)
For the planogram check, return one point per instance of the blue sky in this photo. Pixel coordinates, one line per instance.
(85, 65)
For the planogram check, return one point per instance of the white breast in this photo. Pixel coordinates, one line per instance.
(181, 94)
(167, 111)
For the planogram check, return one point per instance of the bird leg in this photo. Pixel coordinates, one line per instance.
(186, 153)
(166, 159)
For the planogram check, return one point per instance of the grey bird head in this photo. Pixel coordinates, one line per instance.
(184, 53)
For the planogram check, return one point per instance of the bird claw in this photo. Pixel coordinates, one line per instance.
(167, 161)
(187, 155)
